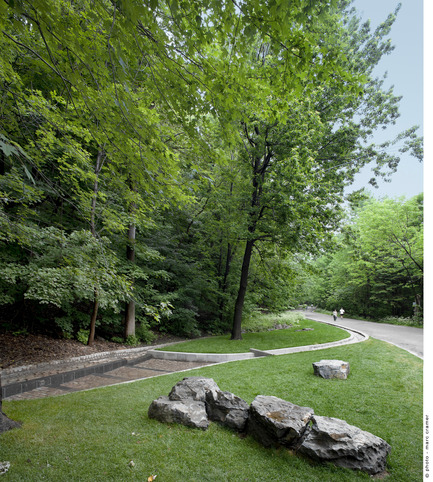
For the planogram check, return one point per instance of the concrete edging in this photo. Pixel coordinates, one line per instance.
(355, 337)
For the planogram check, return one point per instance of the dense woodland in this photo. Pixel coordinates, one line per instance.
(179, 165)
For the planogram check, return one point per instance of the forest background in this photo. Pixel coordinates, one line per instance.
(180, 165)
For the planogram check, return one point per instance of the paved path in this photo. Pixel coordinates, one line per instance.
(49, 385)
(406, 337)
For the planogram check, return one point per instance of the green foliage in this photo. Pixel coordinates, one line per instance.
(264, 322)
(144, 333)
(399, 320)
(132, 340)
(83, 336)
(377, 269)
(200, 127)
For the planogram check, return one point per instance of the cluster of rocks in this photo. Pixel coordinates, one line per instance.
(196, 401)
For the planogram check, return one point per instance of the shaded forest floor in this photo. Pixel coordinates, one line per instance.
(21, 350)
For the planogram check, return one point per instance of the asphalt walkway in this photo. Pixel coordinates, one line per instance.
(407, 337)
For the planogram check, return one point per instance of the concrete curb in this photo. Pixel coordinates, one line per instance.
(355, 337)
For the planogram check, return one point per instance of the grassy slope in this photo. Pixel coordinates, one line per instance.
(266, 340)
(88, 436)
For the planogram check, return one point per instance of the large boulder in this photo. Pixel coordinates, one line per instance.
(331, 369)
(189, 412)
(333, 440)
(227, 409)
(274, 421)
(194, 388)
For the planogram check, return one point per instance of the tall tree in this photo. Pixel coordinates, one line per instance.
(299, 160)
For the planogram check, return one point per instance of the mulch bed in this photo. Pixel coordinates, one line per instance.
(21, 350)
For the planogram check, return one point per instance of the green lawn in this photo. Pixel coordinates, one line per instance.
(265, 340)
(92, 436)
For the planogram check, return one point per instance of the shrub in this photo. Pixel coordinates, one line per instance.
(83, 336)
(401, 320)
(183, 322)
(144, 333)
(260, 322)
(132, 340)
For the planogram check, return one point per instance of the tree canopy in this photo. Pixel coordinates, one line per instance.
(157, 158)
(377, 270)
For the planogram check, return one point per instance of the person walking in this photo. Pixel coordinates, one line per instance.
(334, 314)
(341, 313)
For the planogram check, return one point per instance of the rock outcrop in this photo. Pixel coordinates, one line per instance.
(334, 440)
(185, 412)
(227, 409)
(195, 401)
(193, 387)
(332, 369)
(274, 421)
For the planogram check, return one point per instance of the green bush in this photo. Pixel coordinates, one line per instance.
(262, 322)
(83, 336)
(405, 321)
(132, 340)
(144, 333)
(117, 339)
(183, 322)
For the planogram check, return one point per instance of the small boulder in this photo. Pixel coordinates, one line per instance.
(191, 413)
(274, 421)
(6, 423)
(333, 440)
(331, 369)
(194, 388)
(227, 409)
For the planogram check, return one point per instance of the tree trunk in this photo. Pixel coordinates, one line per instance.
(93, 319)
(223, 286)
(239, 306)
(130, 305)
(99, 162)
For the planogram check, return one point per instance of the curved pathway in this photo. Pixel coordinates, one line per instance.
(406, 337)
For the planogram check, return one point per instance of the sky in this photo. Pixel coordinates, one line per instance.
(405, 72)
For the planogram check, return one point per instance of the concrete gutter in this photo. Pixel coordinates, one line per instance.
(199, 357)
(355, 337)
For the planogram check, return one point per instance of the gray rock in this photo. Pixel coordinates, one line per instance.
(332, 369)
(274, 421)
(188, 412)
(193, 387)
(227, 409)
(6, 423)
(333, 440)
